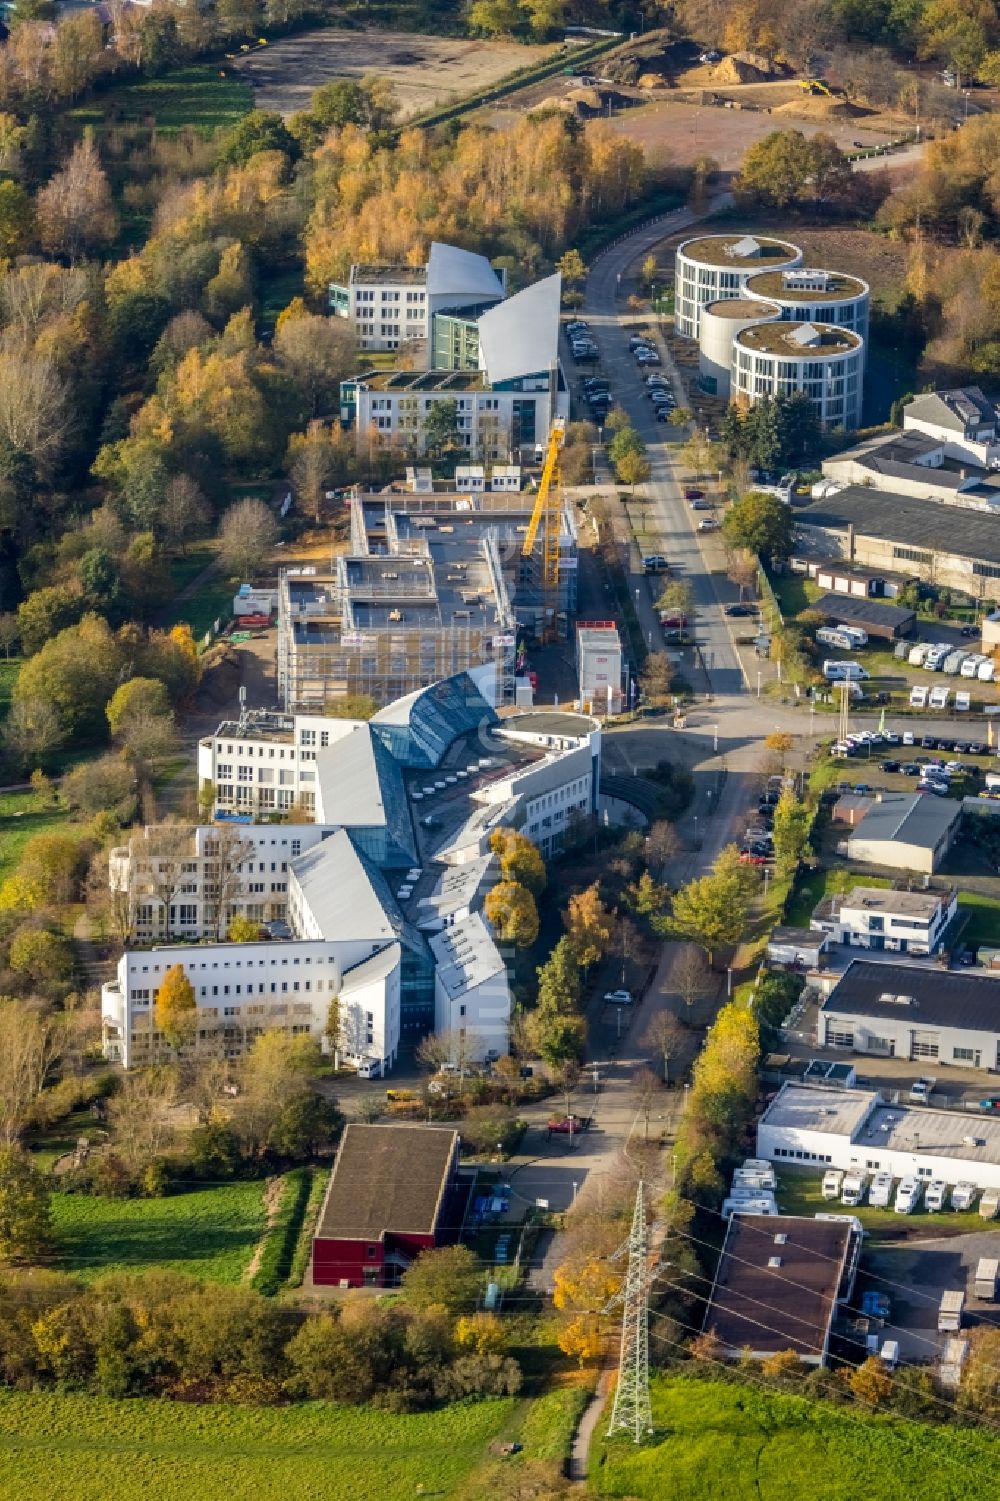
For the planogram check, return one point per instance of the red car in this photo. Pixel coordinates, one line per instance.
(747, 857)
(677, 620)
(569, 1125)
(690, 494)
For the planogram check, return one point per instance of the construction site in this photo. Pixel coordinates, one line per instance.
(434, 584)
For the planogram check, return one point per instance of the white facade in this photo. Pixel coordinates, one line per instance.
(471, 992)
(720, 322)
(599, 667)
(711, 267)
(814, 296)
(824, 363)
(387, 307)
(265, 763)
(809, 1126)
(964, 420)
(191, 883)
(901, 922)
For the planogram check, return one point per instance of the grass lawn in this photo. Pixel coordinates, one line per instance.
(799, 1193)
(23, 814)
(208, 1232)
(195, 96)
(984, 917)
(72, 1448)
(812, 885)
(213, 599)
(742, 1443)
(794, 594)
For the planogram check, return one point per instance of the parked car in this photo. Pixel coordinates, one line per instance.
(739, 611)
(692, 494)
(618, 997)
(655, 562)
(708, 524)
(921, 1089)
(569, 1125)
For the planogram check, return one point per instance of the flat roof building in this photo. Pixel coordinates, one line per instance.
(719, 323)
(816, 295)
(919, 1012)
(779, 1282)
(906, 831)
(891, 533)
(823, 362)
(877, 918)
(390, 306)
(710, 267)
(811, 1125)
(886, 622)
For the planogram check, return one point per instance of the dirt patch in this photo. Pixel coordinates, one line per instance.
(674, 132)
(273, 1192)
(820, 108)
(426, 71)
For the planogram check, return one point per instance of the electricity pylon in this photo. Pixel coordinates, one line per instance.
(631, 1412)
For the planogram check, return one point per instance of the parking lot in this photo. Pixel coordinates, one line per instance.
(915, 1275)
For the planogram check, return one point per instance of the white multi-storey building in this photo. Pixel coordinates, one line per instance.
(901, 922)
(805, 294)
(820, 361)
(382, 895)
(711, 267)
(394, 305)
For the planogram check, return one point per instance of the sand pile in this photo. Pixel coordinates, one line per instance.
(818, 107)
(735, 70)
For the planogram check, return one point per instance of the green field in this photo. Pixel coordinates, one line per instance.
(197, 96)
(984, 917)
(799, 1193)
(722, 1442)
(812, 885)
(56, 1448)
(23, 814)
(207, 1232)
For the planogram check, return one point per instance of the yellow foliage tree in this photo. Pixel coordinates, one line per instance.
(176, 1007)
(589, 926)
(583, 1337)
(512, 911)
(871, 1382)
(520, 859)
(481, 1333)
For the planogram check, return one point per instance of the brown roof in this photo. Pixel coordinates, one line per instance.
(387, 1178)
(785, 1307)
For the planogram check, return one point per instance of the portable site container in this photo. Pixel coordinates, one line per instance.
(950, 1311)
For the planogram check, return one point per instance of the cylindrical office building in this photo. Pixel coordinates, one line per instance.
(804, 294)
(824, 362)
(720, 322)
(711, 267)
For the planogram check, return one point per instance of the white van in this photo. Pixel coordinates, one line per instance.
(371, 1068)
(963, 1196)
(937, 1192)
(832, 1179)
(881, 1191)
(918, 700)
(855, 1184)
(840, 672)
(889, 1354)
(907, 1195)
(829, 635)
(918, 653)
(970, 666)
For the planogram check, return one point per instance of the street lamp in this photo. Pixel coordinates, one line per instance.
(729, 981)
(758, 682)
(715, 737)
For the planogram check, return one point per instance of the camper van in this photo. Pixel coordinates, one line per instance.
(963, 702)
(918, 699)
(832, 1179)
(963, 1196)
(829, 635)
(971, 664)
(881, 1191)
(840, 672)
(939, 698)
(936, 1194)
(986, 670)
(918, 653)
(989, 1204)
(907, 1195)
(854, 633)
(854, 1188)
(953, 662)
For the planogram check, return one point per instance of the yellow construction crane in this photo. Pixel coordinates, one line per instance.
(547, 513)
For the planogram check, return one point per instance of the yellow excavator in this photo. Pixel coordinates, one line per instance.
(547, 515)
(815, 86)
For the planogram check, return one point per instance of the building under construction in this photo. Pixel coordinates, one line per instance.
(434, 584)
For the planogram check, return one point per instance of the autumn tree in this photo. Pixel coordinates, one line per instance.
(662, 842)
(588, 925)
(656, 678)
(31, 1042)
(713, 910)
(691, 978)
(792, 824)
(316, 459)
(520, 859)
(871, 1383)
(646, 896)
(761, 523)
(582, 1286)
(184, 513)
(317, 352)
(449, 1278)
(510, 907)
(33, 731)
(176, 1008)
(75, 210)
(247, 534)
(25, 1210)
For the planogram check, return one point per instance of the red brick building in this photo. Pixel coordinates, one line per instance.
(394, 1192)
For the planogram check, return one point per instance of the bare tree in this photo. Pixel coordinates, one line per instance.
(567, 1076)
(646, 1086)
(318, 352)
(627, 941)
(225, 875)
(33, 730)
(691, 977)
(140, 1115)
(30, 1045)
(75, 209)
(247, 534)
(184, 512)
(312, 466)
(159, 853)
(456, 1048)
(34, 408)
(148, 738)
(666, 1034)
(10, 633)
(663, 843)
